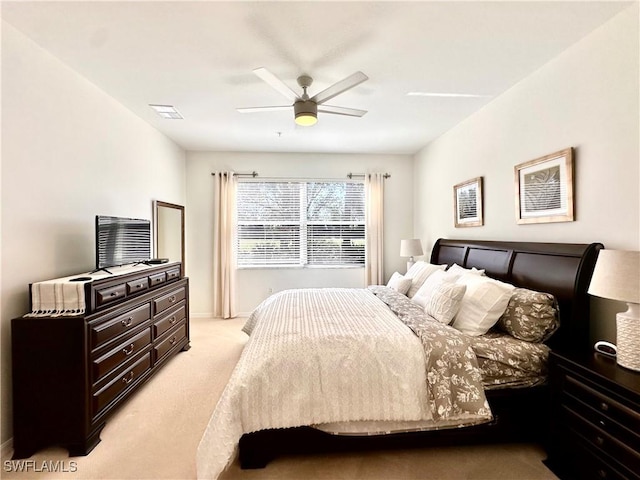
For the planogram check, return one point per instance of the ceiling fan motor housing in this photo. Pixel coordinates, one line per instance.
(306, 112)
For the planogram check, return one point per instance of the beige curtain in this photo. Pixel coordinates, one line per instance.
(374, 201)
(224, 226)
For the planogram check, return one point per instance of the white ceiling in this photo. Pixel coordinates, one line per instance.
(199, 57)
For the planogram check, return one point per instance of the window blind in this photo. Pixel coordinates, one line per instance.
(300, 223)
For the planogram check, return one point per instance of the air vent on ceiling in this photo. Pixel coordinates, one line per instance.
(167, 111)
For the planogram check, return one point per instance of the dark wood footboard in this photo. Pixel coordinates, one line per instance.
(520, 415)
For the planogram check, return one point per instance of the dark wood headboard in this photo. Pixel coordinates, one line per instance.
(562, 269)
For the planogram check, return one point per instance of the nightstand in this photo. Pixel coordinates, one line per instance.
(595, 418)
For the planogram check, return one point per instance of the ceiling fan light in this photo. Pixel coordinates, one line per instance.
(306, 113)
(306, 120)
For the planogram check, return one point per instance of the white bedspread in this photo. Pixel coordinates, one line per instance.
(318, 356)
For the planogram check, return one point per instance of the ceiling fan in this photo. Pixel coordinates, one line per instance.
(306, 108)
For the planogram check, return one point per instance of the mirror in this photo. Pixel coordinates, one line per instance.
(168, 221)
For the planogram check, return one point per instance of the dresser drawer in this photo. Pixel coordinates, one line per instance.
(589, 464)
(600, 419)
(173, 274)
(125, 380)
(601, 402)
(104, 296)
(157, 279)
(172, 339)
(115, 357)
(169, 300)
(168, 320)
(110, 329)
(138, 285)
(603, 441)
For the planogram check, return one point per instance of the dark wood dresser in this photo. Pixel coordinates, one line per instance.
(71, 372)
(595, 424)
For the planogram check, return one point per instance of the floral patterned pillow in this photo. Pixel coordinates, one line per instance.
(531, 316)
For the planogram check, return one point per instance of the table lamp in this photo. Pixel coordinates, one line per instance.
(617, 277)
(410, 248)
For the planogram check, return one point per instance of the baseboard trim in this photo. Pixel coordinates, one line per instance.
(211, 315)
(6, 449)
(202, 315)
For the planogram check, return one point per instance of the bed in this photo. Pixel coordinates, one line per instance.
(317, 345)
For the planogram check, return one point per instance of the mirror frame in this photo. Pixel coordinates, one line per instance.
(160, 204)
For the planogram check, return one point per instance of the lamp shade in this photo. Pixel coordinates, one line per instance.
(617, 276)
(410, 248)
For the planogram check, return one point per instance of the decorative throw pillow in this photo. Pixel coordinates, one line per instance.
(445, 301)
(483, 303)
(399, 283)
(531, 316)
(455, 268)
(418, 273)
(425, 292)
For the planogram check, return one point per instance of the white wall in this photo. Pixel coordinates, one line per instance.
(586, 98)
(254, 284)
(69, 152)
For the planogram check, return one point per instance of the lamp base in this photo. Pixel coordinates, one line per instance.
(628, 337)
(410, 263)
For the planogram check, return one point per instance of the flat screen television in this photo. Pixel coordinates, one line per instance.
(120, 241)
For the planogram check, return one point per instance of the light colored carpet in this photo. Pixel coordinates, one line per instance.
(156, 433)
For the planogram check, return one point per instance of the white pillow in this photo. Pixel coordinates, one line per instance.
(432, 282)
(445, 301)
(419, 272)
(483, 303)
(399, 283)
(455, 268)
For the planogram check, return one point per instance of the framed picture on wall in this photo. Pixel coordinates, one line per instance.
(467, 200)
(544, 189)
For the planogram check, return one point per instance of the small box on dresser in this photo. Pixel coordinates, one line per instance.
(595, 423)
(71, 372)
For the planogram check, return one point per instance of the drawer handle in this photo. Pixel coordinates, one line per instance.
(173, 340)
(127, 322)
(128, 352)
(140, 285)
(172, 299)
(172, 320)
(114, 294)
(127, 380)
(604, 406)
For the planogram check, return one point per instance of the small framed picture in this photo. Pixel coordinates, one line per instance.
(467, 200)
(544, 189)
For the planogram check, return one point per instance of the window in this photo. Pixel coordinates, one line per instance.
(300, 223)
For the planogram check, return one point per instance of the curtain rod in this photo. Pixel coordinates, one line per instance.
(351, 175)
(253, 174)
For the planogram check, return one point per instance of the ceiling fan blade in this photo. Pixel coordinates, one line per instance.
(264, 109)
(337, 88)
(276, 83)
(350, 112)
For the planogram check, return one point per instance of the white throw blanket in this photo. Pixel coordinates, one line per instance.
(58, 297)
(317, 356)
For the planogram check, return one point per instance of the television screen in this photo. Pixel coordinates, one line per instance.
(120, 241)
